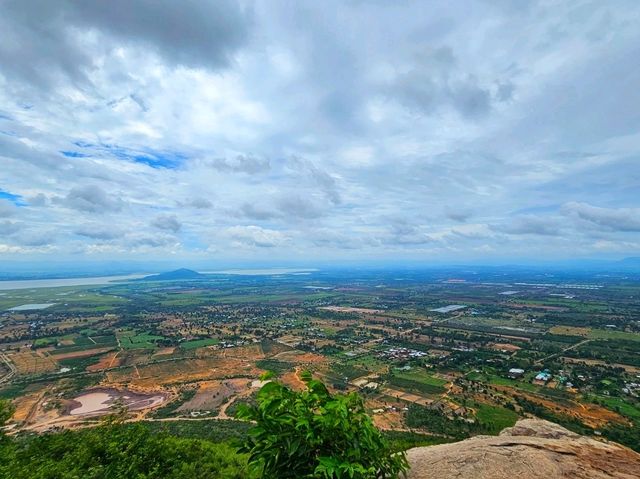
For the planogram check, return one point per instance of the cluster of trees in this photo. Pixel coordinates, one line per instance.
(438, 423)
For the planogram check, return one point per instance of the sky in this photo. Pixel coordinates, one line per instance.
(300, 131)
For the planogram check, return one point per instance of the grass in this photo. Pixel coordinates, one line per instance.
(198, 343)
(274, 365)
(130, 340)
(495, 418)
(618, 405)
(607, 334)
(81, 363)
(40, 342)
(416, 386)
(500, 381)
(420, 376)
(590, 333)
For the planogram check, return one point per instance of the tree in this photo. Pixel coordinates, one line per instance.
(6, 411)
(316, 434)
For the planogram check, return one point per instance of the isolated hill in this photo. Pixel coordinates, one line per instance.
(181, 273)
(532, 449)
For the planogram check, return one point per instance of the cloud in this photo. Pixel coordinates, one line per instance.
(199, 203)
(48, 41)
(38, 200)
(530, 225)
(167, 222)
(8, 228)
(99, 232)
(298, 207)
(614, 219)
(37, 238)
(254, 212)
(459, 216)
(436, 81)
(7, 208)
(92, 199)
(256, 236)
(203, 126)
(326, 182)
(241, 164)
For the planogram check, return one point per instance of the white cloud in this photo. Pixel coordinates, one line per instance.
(303, 131)
(256, 236)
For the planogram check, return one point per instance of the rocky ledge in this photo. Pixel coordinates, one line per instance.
(531, 449)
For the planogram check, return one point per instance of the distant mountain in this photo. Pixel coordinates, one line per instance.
(181, 273)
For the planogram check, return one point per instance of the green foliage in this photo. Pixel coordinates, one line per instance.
(411, 385)
(315, 434)
(6, 411)
(199, 343)
(171, 408)
(420, 417)
(275, 365)
(215, 430)
(494, 419)
(117, 451)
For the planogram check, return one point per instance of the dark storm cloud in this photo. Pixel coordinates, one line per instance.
(40, 41)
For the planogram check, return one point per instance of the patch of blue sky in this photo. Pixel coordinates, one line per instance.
(15, 199)
(537, 210)
(154, 159)
(74, 154)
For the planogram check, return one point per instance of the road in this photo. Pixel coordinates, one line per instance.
(12, 369)
(573, 346)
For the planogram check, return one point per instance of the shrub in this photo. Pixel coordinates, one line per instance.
(316, 434)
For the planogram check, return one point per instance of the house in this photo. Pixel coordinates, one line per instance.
(515, 373)
(543, 376)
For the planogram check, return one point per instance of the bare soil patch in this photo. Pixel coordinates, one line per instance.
(212, 394)
(110, 360)
(33, 362)
(99, 401)
(81, 354)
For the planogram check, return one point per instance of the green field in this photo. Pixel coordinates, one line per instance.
(618, 405)
(422, 385)
(421, 376)
(199, 343)
(132, 340)
(80, 364)
(495, 418)
(607, 334)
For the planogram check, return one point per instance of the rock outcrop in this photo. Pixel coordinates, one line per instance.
(531, 449)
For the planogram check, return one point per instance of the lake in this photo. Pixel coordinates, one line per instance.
(60, 282)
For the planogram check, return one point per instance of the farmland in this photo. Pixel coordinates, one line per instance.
(425, 352)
